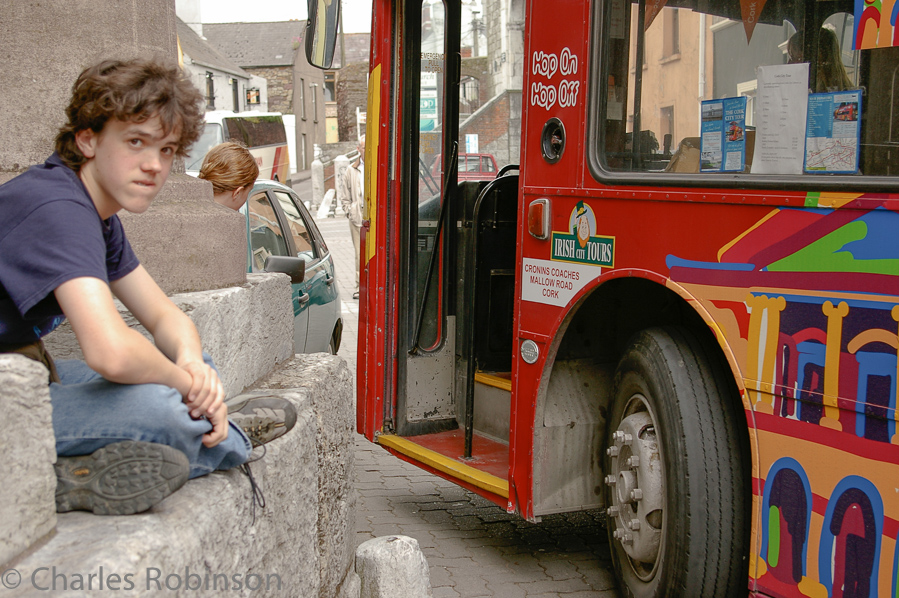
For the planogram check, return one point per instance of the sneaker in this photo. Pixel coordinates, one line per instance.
(119, 479)
(262, 417)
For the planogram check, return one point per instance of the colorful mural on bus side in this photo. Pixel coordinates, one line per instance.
(808, 300)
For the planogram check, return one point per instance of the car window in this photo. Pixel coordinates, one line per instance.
(298, 228)
(266, 237)
(486, 164)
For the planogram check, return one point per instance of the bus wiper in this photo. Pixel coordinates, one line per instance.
(454, 157)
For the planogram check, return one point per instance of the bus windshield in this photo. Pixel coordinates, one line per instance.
(209, 138)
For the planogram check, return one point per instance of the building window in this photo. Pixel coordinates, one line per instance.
(671, 33)
(328, 91)
(235, 95)
(749, 89)
(210, 91)
(666, 127)
(303, 99)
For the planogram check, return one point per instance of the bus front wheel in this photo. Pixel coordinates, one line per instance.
(677, 485)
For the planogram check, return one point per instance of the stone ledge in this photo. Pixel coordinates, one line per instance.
(207, 528)
(248, 329)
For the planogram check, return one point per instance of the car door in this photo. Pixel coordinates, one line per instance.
(319, 283)
(267, 237)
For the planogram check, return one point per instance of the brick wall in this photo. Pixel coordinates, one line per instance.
(498, 125)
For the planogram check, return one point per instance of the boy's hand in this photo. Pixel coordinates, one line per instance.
(219, 421)
(206, 394)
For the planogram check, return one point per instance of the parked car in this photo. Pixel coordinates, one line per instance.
(279, 226)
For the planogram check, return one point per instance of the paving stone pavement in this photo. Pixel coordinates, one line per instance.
(473, 547)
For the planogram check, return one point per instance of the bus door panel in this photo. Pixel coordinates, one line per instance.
(425, 398)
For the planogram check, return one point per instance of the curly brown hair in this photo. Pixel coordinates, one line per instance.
(133, 91)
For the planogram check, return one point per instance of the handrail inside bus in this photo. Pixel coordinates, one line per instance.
(472, 282)
(454, 156)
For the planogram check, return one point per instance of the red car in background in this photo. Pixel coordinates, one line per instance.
(475, 167)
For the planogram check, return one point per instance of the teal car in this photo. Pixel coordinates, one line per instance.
(281, 236)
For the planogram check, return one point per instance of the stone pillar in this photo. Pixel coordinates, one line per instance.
(318, 183)
(341, 163)
(186, 241)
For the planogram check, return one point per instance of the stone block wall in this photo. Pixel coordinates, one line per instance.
(352, 91)
(280, 87)
(248, 330)
(185, 240)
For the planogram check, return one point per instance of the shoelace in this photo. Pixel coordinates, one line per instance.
(258, 497)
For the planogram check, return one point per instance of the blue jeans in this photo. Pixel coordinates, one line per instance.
(90, 412)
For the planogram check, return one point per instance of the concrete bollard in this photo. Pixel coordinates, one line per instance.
(318, 183)
(392, 566)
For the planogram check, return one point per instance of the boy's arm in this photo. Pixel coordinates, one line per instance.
(123, 355)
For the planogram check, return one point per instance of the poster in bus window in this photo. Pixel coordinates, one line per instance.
(833, 130)
(428, 115)
(723, 141)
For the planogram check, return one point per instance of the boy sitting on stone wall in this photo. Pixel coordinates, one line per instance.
(135, 419)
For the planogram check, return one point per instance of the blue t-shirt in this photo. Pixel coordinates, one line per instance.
(50, 232)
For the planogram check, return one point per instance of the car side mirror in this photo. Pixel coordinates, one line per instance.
(295, 267)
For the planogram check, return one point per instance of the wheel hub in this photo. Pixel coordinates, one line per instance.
(638, 492)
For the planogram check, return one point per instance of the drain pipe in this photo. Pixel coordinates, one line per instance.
(701, 57)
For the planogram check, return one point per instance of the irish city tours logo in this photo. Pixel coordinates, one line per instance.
(580, 244)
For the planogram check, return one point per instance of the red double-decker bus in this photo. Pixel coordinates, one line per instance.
(645, 312)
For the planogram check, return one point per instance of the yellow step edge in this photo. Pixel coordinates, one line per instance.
(460, 471)
(494, 381)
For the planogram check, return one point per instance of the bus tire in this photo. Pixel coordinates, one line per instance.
(679, 514)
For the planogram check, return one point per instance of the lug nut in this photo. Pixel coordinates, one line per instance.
(627, 439)
(636, 494)
(612, 451)
(616, 534)
(610, 480)
(634, 524)
(618, 436)
(627, 539)
(633, 461)
(612, 511)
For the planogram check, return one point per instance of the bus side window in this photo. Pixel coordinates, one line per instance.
(661, 68)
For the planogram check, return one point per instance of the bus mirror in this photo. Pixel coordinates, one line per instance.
(295, 267)
(321, 32)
